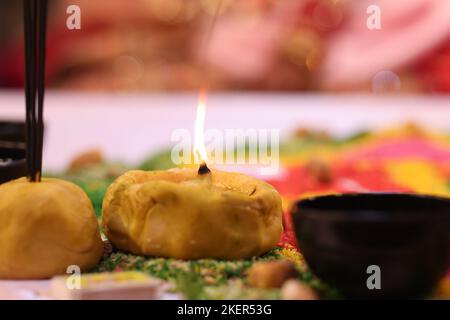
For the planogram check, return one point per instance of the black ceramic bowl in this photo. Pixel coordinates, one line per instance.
(12, 163)
(12, 132)
(407, 236)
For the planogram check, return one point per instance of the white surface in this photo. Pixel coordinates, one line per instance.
(24, 290)
(41, 290)
(130, 126)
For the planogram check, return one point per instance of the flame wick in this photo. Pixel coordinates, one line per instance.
(203, 169)
(199, 139)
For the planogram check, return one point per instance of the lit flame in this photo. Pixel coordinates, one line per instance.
(199, 139)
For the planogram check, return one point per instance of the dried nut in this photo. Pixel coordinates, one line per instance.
(113, 172)
(86, 159)
(320, 170)
(108, 248)
(295, 290)
(304, 133)
(271, 274)
(413, 129)
(443, 289)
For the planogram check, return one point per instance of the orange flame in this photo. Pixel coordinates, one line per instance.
(199, 139)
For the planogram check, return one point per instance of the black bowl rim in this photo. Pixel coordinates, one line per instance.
(5, 144)
(12, 131)
(299, 208)
(18, 161)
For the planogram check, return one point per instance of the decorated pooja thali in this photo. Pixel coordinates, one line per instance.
(363, 162)
(223, 214)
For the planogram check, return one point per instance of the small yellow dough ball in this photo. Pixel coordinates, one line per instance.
(177, 214)
(44, 228)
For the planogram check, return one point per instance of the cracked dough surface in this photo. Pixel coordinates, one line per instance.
(46, 227)
(174, 213)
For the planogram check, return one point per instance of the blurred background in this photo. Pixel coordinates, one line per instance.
(359, 106)
(260, 45)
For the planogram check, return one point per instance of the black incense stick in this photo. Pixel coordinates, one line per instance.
(27, 23)
(35, 25)
(42, 31)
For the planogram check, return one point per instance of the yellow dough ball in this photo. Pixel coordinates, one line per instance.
(44, 228)
(177, 214)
